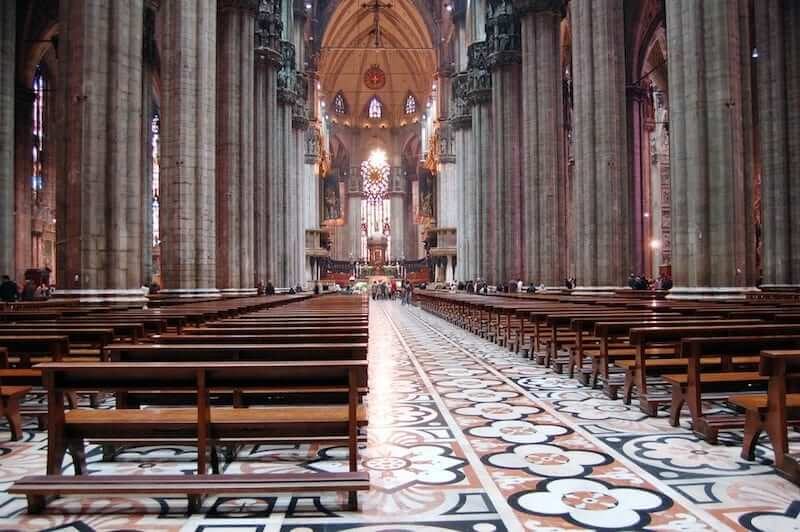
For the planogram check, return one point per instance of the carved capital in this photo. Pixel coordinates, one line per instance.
(245, 5)
(503, 34)
(479, 87)
(268, 29)
(524, 7)
(460, 112)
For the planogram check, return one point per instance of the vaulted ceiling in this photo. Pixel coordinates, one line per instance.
(406, 55)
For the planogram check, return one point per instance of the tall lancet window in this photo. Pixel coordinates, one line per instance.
(375, 109)
(339, 106)
(155, 128)
(38, 150)
(411, 104)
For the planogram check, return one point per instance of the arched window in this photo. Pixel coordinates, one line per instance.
(375, 109)
(155, 136)
(339, 106)
(411, 104)
(37, 152)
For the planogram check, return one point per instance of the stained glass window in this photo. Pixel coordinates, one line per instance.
(37, 179)
(375, 108)
(339, 106)
(155, 128)
(375, 202)
(411, 104)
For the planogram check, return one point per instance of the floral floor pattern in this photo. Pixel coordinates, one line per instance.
(463, 436)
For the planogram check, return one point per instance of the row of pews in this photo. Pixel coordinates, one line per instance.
(674, 354)
(216, 376)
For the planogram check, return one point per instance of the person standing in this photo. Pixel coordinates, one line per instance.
(9, 291)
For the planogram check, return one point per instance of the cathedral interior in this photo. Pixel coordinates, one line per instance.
(519, 214)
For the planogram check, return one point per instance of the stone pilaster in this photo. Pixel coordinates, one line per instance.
(505, 195)
(8, 27)
(188, 161)
(268, 61)
(100, 220)
(777, 32)
(397, 199)
(235, 159)
(601, 195)
(711, 146)
(149, 62)
(542, 129)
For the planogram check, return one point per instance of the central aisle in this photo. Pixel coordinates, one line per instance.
(462, 436)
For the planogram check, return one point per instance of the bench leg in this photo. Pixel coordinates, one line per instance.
(194, 503)
(11, 411)
(753, 426)
(36, 504)
(678, 400)
(627, 394)
(78, 452)
(109, 453)
(214, 460)
(352, 501)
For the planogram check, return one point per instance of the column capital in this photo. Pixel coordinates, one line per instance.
(525, 7)
(479, 86)
(245, 5)
(152, 4)
(503, 34)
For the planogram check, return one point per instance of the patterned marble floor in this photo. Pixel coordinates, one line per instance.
(462, 436)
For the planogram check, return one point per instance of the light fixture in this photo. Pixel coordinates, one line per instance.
(433, 87)
(647, 215)
(754, 55)
(448, 7)
(322, 104)
(319, 86)
(308, 6)
(655, 244)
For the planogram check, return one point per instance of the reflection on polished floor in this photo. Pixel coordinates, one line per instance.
(462, 436)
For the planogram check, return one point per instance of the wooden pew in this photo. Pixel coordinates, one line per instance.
(776, 410)
(718, 367)
(10, 397)
(202, 352)
(274, 338)
(206, 425)
(642, 338)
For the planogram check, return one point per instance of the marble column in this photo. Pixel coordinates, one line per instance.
(777, 32)
(149, 64)
(99, 218)
(235, 159)
(601, 204)
(505, 195)
(268, 61)
(22, 194)
(397, 201)
(711, 152)
(8, 27)
(543, 149)
(479, 95)
(188, 156)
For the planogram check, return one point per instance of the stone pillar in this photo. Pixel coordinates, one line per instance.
(149, 64)
(267, 135)
(777, 32)
(601, 187)
(188, 125)
(543, 148)
(8, 27)
(480, 94)
(711, 152)
(505, 195)
(397, 200)
(22, 194)
(235, 160)
(99, 218)
(461, 121)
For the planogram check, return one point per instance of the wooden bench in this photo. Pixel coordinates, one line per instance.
(637, 373)
(207, 425)
(10, 397)
(55, 346)
(775, 410)
(718, 367)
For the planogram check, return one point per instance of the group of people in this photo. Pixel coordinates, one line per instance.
(30, 291)
(392, 290)
(641, 282)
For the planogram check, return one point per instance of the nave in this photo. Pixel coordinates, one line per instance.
(463, 435)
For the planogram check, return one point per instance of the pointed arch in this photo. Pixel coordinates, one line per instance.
(375, 108)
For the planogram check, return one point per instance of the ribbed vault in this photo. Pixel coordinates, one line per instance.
(406, 55)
